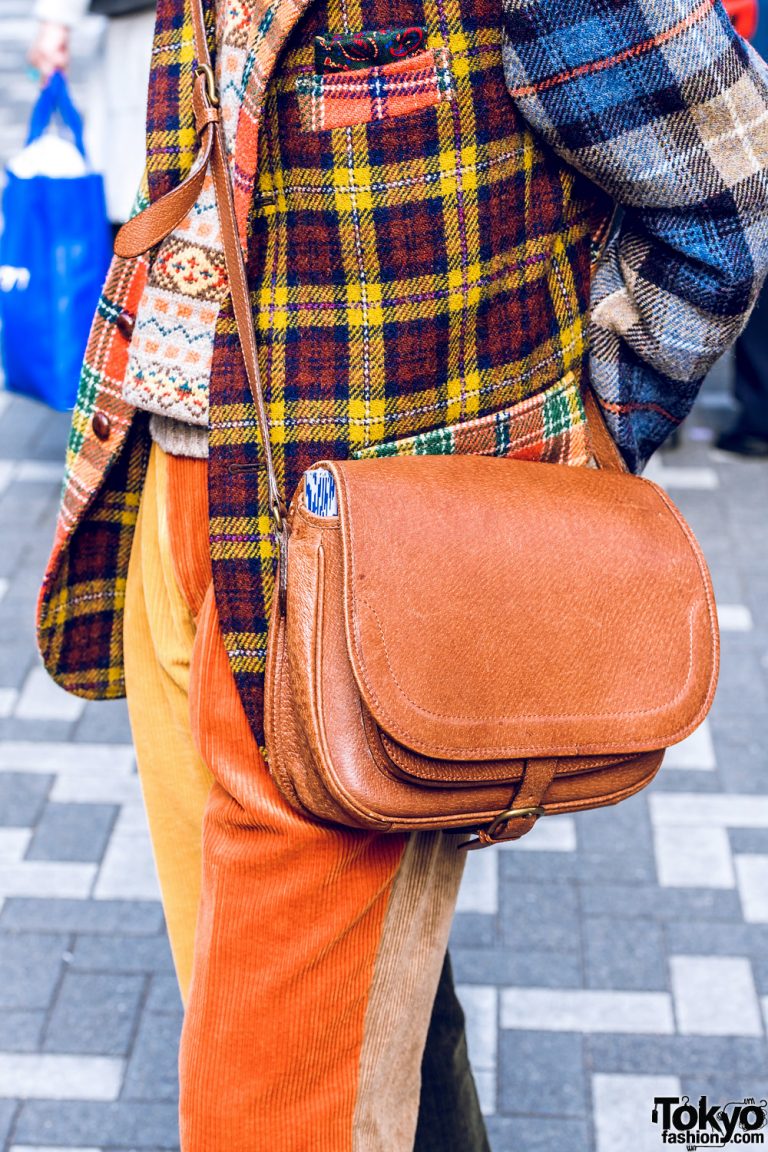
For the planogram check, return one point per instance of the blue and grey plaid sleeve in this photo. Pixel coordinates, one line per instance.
(662, 105)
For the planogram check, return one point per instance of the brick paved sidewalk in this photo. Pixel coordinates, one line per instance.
(605, 959)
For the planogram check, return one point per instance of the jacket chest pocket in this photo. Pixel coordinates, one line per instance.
(339, 99)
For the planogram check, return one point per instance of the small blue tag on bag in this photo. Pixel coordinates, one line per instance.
(320, 492)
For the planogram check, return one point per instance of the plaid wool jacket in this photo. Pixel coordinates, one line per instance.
(421, 239)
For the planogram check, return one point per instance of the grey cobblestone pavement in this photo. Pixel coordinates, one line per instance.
(605, 959)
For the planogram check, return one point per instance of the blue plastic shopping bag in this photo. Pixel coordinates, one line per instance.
(54, 254)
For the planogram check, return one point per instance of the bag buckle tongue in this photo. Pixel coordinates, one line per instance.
(494, 833)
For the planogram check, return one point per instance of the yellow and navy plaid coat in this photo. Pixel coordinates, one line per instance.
(419, 238)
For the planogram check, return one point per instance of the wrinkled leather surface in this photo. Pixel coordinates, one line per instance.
(465, 618)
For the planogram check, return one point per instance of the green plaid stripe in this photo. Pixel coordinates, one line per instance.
(546, 427)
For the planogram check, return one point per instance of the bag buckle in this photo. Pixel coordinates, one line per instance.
(279, 513)
(210, 83)
(501, 821)
(493, 834)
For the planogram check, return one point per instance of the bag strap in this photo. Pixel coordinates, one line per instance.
(152, 225)
(604, 448)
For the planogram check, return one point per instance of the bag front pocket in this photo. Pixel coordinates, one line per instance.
(339, 99)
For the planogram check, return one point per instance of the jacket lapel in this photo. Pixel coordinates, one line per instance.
(171, 136)
(243, 78)
(272, 22)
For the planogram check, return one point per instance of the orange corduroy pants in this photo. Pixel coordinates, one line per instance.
(308, 956)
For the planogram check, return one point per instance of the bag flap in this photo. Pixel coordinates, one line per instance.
(500, 608)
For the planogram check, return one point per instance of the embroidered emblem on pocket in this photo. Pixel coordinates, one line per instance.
(347, 53)
(338, 99)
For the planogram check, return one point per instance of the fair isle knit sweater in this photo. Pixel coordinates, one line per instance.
(642, 100)
(172, 344)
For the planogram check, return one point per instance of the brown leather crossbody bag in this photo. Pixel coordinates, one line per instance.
(471, 643)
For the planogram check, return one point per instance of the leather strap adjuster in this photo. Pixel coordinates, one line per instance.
(498, 830)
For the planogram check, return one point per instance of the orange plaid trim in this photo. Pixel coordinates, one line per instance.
(335, 100)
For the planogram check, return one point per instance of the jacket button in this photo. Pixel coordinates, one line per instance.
(125, 323)
(101, 426)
